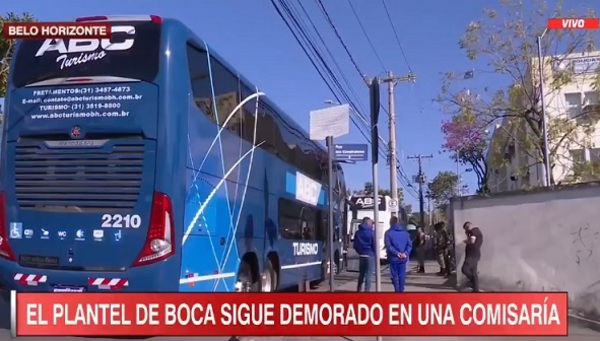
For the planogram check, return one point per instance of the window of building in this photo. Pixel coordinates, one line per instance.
(573, 104)
(577, 155)
(591, 97)
(591, 105)
(595, 155)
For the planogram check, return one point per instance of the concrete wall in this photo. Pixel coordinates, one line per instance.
(537, 241)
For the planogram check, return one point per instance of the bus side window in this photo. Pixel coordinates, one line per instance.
(249, 117)
(265, 128)
(323, 228)
(200, 80)
(297, 221)
(227, 96)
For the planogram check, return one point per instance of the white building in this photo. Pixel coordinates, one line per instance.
(512, 164)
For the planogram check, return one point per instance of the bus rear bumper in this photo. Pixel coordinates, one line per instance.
(150, 278)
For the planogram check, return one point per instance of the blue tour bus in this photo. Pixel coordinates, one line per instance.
(147, 163)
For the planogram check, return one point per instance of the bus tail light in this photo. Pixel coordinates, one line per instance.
(160, 240)
(156, 19)
(5, 249)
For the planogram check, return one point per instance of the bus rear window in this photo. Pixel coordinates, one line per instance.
(132, 52)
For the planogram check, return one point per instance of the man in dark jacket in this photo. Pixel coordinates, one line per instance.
(364, 245)
(398, 246)
(472, 254)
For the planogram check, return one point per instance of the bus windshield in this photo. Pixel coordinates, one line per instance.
(132, 52)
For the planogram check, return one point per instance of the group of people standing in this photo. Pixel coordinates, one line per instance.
(398, 246)
(442, 248)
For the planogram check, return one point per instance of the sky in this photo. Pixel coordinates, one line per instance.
(251, 36)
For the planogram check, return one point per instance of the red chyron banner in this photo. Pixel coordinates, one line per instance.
(307, 314)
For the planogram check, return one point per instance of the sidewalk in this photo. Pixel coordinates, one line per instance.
(415, 282)
(427, 282)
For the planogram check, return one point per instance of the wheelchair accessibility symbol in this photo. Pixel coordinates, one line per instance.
(16, 230)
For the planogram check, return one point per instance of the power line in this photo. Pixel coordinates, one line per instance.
(366, 35)
(341, 72)
(404, 179)
(324, 11)
(316, 58)
(315, 52)
(387, 12)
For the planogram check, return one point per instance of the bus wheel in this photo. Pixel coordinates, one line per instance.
(269, 278)
(244, 279)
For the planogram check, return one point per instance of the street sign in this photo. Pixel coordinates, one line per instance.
(351, 152)
(393, 205)
(330, 122)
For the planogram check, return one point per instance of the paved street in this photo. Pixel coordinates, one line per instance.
(344, 283)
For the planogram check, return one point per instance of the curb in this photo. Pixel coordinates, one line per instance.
(586, 322)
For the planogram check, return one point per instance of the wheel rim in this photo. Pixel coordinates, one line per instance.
(244, 282)
(266, 282)
(243, 286)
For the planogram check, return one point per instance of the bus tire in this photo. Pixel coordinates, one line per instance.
(268, 280)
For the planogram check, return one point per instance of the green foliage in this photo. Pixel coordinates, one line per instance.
(505, 39)
(6, 46)
(442, 188)
(585, 172)
(408, 209)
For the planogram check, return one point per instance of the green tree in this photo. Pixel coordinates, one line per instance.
(442, 188)
(6, 46)
(408, 209)
(505, 40)
(586, 171)
(383, 191)
(366, 190)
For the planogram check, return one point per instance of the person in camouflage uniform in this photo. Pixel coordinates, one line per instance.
(442, 248)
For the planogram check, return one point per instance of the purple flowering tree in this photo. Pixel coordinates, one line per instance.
(466, 137)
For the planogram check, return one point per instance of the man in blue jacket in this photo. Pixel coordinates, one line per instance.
(364, 245)
(398, 246)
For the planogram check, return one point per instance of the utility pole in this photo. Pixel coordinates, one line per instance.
(547, 168)
(391, 80)
(429, 211)
(420, 178)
